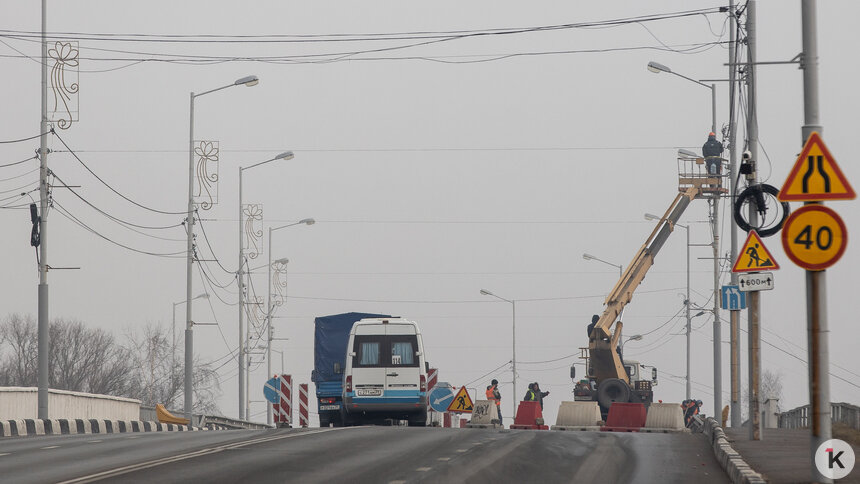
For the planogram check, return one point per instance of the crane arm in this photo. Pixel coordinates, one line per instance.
(605, 362)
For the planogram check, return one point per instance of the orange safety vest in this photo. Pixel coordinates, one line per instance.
(491, 395)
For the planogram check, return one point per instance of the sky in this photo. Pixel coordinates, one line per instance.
(489, 161)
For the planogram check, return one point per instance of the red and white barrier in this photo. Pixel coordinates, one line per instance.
(432, 378)
(283, 410)
(303, 405)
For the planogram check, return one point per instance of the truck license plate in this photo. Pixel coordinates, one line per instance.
(330, 407)
(369, 392)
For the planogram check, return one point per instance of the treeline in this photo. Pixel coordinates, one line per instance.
(144, 365)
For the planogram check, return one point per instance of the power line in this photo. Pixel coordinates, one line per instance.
(19, 162)
(4, 142)
(106, 184)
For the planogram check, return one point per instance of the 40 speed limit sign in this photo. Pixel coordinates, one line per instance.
(814, 237)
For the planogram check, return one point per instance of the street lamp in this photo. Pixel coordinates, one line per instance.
(591, 257)
(189, 334)
(286, 155)
(657, 68)
(649, 216)
(635, 337)
(270, 331)
(513, 347)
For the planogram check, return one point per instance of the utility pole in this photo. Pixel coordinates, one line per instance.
(735, 314)
(754, 333)
(718, 343)
(44, 342)
(816, 281)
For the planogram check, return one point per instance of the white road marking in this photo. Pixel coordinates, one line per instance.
(423, 469)
(397, 482)
(5, 453)
(444, 458)
(462, 450)
(190, 455)
(133, 437)
(94, 441)
(50, 447)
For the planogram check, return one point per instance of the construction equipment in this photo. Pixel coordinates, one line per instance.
(607, 379)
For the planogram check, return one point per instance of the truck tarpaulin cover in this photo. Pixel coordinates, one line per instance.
(330, 338)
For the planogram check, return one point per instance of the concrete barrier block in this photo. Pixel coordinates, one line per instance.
(581, 416)
(664, 416)
(484, 415)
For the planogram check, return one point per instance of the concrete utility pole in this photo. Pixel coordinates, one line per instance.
(816, 281)
(44, 342)
(735, 314)
(718, 343)
(754, 333)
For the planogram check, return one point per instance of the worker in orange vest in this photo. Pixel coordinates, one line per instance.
(493, 394)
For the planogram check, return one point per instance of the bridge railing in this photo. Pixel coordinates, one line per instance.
(799, 417)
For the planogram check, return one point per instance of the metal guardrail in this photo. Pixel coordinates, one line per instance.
(839, 413)
(148, 414)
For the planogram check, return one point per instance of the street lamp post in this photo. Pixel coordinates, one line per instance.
(513, 347)
(649, 216)
(635, 337)
(718, 385)
(657, 68)
(286, 155)
(189, 259)
(173, 332)
(269, 330)
(591, 257)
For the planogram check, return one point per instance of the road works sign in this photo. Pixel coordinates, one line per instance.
(815, 176)
(754, 256)
(814, 237)
(759, 281)
(461, 403)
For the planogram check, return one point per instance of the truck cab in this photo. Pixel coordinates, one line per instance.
(386, 375)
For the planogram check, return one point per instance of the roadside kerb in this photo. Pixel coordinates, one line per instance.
(33, 427)
(736, 468)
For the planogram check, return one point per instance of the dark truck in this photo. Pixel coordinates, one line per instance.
(331, 336)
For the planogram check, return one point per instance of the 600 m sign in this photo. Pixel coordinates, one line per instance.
(814, 237)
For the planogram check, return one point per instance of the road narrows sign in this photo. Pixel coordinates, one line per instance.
(814, 237)
(462, 402)
(754, 256)
(815, 176)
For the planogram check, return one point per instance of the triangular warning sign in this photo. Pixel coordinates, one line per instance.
(815, 176)
(754, 256)
(462, 402)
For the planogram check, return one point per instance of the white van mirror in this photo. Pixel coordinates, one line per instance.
(418, 353)
(352, 354)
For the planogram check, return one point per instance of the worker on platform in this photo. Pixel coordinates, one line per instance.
(539, 395)
(594, 320)
(493, 394)
(711, 151)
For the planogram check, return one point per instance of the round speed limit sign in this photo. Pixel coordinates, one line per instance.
(814, 237)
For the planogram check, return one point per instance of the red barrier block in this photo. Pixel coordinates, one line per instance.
(625, 417)
(529, 417)
(463, 423)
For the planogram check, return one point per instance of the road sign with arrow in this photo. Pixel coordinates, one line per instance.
(759, 281)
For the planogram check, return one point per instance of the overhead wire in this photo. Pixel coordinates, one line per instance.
(34, 157)
(108, 185)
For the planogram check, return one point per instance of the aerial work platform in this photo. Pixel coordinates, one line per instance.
(704, 173)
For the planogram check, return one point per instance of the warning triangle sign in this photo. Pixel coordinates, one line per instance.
(815, 176)
(754, 256)
(462, 402)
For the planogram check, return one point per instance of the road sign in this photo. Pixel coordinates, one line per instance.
(814, 237)
(270, 390)
(461, 403)
(815, 176)
(733, 299)
(440, 398)
(754, 256)
(758, 281)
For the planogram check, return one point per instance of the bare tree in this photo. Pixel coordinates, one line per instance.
(159, 373)
(18, 349)
(770, 387)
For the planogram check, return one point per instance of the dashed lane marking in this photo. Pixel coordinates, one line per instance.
(397, 482)
(94, 441)
(423, 469)
(4, 453)
(444, 458)
(50, 447)
(462, 450)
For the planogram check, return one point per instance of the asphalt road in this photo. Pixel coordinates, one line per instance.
(361, 454)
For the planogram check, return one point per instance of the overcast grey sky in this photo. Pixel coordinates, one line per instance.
(431, 175)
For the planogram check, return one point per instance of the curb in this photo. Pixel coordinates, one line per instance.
(30, 427)
(737, 469)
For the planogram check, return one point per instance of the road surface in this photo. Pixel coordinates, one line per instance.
(361, 454)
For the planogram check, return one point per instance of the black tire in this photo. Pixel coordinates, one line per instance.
(771, 223)
(324, 421)
(419, 420)
(612, 390)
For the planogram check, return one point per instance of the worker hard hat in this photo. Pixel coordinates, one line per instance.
(495, 382)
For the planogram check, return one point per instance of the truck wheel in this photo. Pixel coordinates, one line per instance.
(418, 420)
(324, 421)
(612, 390)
